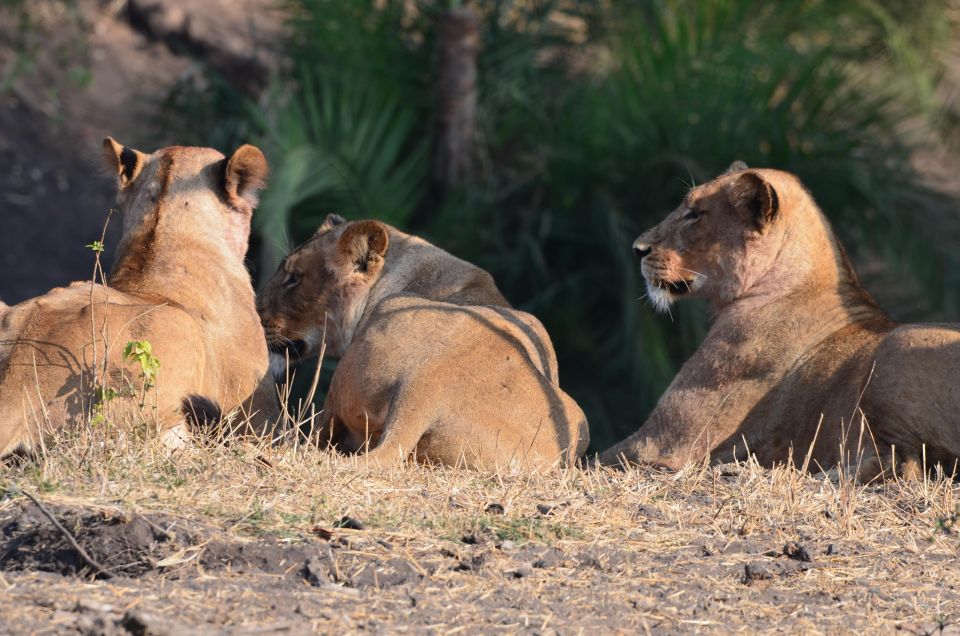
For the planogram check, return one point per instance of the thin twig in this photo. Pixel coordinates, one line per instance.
(101, 570)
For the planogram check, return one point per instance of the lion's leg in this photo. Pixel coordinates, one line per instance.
(405, 424)
(330, 432)
(910, 469)
(262, 412)
(903, 462)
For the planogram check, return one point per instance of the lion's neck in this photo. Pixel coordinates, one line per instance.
(184, 268)
(808, 289)
(419, 269)
(795, 320)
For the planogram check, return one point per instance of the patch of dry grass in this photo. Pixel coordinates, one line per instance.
(448, 550)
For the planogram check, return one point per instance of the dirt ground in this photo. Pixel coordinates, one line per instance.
(246, 540)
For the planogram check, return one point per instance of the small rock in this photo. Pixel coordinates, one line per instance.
(507, 545)
(470, 565)
(755, 572)
(549, 559)
(321, 532)
(348, 523)
(649, 512)
(86, 605)
(494, 509)
(797, 552)
(316, 572)
(140, 623)
(544, 509)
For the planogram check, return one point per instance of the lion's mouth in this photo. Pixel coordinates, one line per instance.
(677, 288)
(294, 348)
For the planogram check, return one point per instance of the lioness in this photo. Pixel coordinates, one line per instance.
(179, 283)
(799, 357)
(433, 358)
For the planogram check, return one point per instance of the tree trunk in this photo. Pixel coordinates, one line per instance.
(459, 44)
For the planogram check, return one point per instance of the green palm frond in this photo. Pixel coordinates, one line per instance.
(338, 147)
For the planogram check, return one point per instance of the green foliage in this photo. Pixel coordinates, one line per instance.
(102, 395)
(34, 36)
(96, 246)
(141, 351)
(340, 147)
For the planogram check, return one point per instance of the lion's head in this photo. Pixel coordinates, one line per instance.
(180, 187)
(321, 286)
(721, 239)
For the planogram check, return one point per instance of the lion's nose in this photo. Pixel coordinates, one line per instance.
(641, 249)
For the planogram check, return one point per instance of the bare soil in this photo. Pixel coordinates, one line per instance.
(251, 540)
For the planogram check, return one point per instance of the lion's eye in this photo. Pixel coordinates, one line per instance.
(692, 214)
(291, 280)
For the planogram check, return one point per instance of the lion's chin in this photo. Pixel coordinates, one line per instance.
(296, 349)
(662, 293)
(284, 356)
(278, 367)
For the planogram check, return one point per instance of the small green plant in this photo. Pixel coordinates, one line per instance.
(96, 246)
(103, 395)
(949, 524)
(292, 519)
(523, 530)
(141, 351)
(258, 517)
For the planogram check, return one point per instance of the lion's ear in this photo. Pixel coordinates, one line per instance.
(737, 166)
(332, 221)
(753, 194)
(363, 246)
(245, 173)
(124, 162)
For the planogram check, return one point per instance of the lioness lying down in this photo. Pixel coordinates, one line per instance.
(179, 283)
(433, 359)
(799, 357)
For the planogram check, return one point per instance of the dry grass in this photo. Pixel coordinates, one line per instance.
(702, 550)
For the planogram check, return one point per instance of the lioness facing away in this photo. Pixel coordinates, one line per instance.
(434, 361)
(799, 358)
(178, 283)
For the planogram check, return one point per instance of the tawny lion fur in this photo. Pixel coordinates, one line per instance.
(179, 282)
(434, 361)
(799, 356)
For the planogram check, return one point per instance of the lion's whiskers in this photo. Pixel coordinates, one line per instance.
(695, 273)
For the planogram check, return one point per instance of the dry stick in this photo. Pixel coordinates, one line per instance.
(816, 434)
(103, 571)
(316, 374)
(97, 268)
